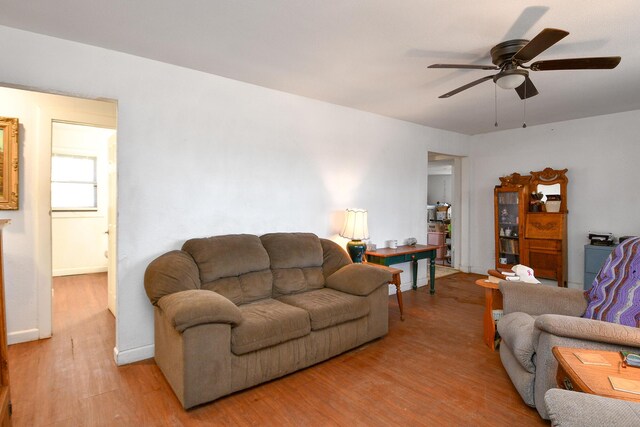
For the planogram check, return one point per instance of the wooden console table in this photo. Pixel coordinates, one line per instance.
(412, 254)
(492, 301)
(594, 379)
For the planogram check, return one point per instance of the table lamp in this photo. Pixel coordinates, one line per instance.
(356, 229)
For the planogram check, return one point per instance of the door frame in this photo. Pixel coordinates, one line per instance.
(460, 202)
(43, 223)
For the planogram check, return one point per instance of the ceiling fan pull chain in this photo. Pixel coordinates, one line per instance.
(524, 108)
(495, 90)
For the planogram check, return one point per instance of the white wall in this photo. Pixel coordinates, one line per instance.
(78, 238)
(601, 154)
(202, 155)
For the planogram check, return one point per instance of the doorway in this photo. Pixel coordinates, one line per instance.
(29, 294)
(82, 194)
(444, 203)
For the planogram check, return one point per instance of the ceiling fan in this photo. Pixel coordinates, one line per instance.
(510, 56)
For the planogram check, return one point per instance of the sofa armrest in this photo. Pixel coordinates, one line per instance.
(358, 279)
(536, 299)
(570, 408)
(588, 330)
(196, 307)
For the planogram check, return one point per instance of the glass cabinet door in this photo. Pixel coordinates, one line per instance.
(508, 219)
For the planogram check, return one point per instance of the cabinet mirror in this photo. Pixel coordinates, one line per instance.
(547, 190)
(551, 182)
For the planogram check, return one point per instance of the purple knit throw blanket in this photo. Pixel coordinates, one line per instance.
(615, 293)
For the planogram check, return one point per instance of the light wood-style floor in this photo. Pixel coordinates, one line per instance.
(430, 370)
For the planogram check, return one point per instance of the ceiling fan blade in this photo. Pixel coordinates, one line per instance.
(600, 63)
(543, 41)
(464, 66)
(465, 87)
(530, 89)
(525, 22)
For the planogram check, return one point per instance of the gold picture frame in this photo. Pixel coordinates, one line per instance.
(8, 163)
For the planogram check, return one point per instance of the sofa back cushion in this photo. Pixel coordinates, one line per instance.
(334, 257)
(235, 266)
(296, 262)
(615, 294)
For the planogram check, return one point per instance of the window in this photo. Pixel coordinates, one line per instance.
(73, 183)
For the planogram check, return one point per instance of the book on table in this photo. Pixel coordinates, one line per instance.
(591, 358)
(495, 276)
(625, 384)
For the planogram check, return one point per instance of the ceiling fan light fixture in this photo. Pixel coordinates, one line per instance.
(511, 79)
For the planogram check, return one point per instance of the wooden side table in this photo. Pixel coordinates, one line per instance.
(492, 301)
(594, 379)
(395, 280)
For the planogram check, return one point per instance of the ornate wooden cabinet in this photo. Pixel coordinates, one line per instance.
(537, 239)
(546, 232)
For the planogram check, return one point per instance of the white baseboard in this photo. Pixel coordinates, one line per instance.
(23, 336)
(407, 286)
(134, 355)
(78, 270)
(479, 270)
(464, 268)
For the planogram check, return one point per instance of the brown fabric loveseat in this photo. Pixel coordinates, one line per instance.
(238, 310)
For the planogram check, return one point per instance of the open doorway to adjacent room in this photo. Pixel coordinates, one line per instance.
(82, 201)
(68, 199)
(443, 209)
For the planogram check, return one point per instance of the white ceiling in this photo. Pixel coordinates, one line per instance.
(371, 55)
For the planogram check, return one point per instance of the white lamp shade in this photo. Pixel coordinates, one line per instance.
(355, 225)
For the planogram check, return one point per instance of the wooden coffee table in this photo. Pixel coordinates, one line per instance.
(594, 379)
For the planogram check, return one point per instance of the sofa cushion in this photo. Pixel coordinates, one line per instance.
(295, 280)
(328, 307)
(293, 250)
(296, 262)
(615, 294)
(244, 288)
(519, 334)
(224, 256)
(266, 323)
(235, 266)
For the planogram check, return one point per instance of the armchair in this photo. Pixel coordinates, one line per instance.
(539, 317)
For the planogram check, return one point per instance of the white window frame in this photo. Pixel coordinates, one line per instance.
(94, 183)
